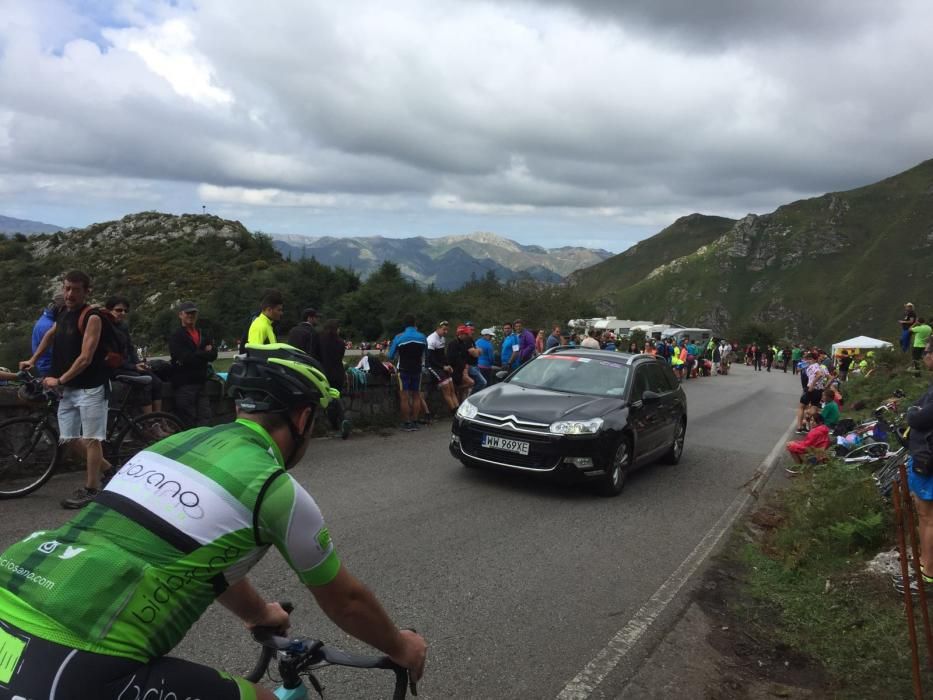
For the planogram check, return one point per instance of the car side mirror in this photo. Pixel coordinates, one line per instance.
(501, 374)
(650, 397)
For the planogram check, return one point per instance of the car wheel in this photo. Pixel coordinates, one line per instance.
(677, 447)
(614, 480)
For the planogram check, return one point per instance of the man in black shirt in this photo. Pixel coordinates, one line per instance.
(910, 318)
(458, 358)
(192, 351)
(80, 373)
(845, 362)
(304, 336)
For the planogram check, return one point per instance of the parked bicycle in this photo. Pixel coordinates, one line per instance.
(301, 657)
(29, 445)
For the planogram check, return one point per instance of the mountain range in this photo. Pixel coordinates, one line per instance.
(447, 262)
(820, 269)
(10, 225)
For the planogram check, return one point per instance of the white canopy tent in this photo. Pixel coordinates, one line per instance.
(860, 343)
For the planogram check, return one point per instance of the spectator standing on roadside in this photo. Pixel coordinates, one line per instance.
(192, 351)
(509, 340)
(526, 343)
(553, 340)
(919, 334)
(920, 473)
(332, 348)
(261, 330)
(909, 319)
(151, 393)
(795, 356)
(591, 340)
(44, 322)
(479, 381)
(458, 357)
(757, 352)
(409, 346)
(304, 336)
(437, 364)
(487, 354)
(539, 342)
(845, 362)
(78, 367)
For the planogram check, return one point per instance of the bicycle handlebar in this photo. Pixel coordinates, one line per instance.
(303, 653)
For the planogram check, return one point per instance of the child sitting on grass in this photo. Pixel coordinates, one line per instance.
(815, 444)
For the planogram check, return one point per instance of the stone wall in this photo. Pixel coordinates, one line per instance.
(375, 404)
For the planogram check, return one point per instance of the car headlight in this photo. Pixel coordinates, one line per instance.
(576, 427)
(467, 410)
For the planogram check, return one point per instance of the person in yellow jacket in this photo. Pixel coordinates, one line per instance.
(261, 331)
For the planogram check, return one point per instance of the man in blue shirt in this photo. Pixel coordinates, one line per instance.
(46, 321)
(487, 354)
(510, 340)
(553, 340)
(409, 345)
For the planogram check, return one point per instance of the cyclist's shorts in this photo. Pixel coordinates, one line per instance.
(36, 669)
(409, 381)
(920, 486)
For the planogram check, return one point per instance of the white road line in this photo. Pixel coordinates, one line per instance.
(585, 682)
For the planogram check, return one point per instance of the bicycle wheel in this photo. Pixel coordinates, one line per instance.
(142, 431)
(28, 455)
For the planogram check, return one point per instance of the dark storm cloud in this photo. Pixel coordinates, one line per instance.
(721, 22)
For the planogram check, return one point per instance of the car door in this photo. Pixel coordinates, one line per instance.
(669, 407)
(644, 418)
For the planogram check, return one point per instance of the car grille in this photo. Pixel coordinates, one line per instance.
(542, 453)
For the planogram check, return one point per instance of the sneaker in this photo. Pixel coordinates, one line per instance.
(409, 427)
(80, 498)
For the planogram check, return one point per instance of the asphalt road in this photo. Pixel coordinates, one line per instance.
(517, 583)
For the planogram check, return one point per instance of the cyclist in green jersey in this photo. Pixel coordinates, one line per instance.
(91, 609)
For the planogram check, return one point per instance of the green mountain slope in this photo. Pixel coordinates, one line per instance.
(683, 237)
(820, 269)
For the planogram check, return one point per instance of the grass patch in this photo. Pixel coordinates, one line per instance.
(803, 580)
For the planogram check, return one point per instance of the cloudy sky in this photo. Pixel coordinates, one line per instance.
(592, 122)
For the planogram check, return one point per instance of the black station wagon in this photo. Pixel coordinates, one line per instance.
(592, 414)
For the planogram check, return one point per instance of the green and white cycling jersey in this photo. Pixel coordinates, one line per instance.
(178, 523)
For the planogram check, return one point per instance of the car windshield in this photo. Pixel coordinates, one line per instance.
(573, 374)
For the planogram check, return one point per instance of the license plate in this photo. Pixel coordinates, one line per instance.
(506, 444)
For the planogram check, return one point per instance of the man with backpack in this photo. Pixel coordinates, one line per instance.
(304, 336)
(192, 350)
(79, 370)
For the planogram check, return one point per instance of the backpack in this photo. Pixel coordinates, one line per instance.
(241, 348)
(109, 339)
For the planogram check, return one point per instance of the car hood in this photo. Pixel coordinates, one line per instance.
(540, 405)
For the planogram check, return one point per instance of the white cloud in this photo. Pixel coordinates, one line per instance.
(167, 50)
(264, 197)
(614, 112)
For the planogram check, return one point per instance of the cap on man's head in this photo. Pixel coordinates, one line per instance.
(909, 304)
(470, 324)
(188, 306)
(463, 329)
(309, 311)
(487, 331)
